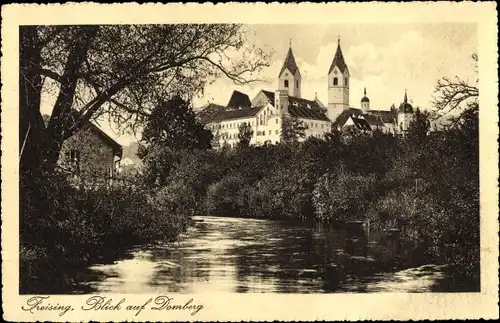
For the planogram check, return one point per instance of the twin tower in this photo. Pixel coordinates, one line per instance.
(290, 80)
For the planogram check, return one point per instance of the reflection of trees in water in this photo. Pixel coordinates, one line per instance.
(307, 259)
(270, 256)
(293, 261)
(178, 268)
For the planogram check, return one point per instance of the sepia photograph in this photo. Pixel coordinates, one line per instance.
(345, 161)
(225, 157)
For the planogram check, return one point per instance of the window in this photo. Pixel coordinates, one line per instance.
(73, 156)
(345, 81)
(335, 81)
(276, 120)
(281, 107)
(286, 83)
(276, 131)
(297, 84)
(269, 132)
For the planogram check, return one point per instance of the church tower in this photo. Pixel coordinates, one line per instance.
(338, 85)
(289, 78)
(405, 115)
(365, 103)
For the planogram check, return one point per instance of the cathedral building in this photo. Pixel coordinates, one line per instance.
(266, 111)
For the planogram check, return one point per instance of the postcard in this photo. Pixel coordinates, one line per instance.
(249, 161)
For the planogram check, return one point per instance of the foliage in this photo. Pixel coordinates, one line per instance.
(418, 128)
(343, 196)
(425, 184)
(245, 134)
(79, 224)
(292, 129)
(407, 210)
(119, 72)
(173, 124)
(223, 196)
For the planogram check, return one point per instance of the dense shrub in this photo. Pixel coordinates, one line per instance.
(343, 196)
(408, 211)
(223, 197)
(63, 226)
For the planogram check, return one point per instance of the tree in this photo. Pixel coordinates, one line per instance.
(452, 94)
(418, 128)
(245, 134)
(118, 71)
(292, 129)
(173, 124)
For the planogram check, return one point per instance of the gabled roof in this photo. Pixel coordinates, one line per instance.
(374, 120)
(386, 116)
(344, 115)
(207, 114)
(229, 114)
(361, 123)
(117, 148)
(338, 60)
(269, 95)
(307, 109)
(289, 63)
(301, 108)
(239, 100)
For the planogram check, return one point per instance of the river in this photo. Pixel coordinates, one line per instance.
(225, 254)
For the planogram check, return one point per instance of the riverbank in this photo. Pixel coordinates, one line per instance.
(64, 227)
(425, 186)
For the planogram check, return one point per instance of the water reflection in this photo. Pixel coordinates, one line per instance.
(248, 255)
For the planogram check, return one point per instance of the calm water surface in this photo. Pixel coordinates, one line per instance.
(246, 255)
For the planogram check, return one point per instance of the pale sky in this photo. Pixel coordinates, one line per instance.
(386, 59)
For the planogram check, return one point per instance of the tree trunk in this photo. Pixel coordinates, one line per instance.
(42, 145)
(31, 126)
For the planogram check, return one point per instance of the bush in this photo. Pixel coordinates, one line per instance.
(342, 196)
(408, 211)
(63, 226)
(223, 197)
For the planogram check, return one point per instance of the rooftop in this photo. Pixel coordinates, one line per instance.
(301, 108)
(289, 63)
(338, 60)
(239, 100)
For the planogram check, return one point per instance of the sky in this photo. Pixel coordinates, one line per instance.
(386, 59)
